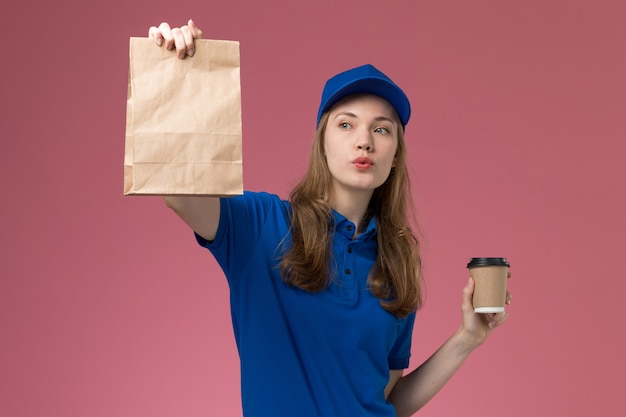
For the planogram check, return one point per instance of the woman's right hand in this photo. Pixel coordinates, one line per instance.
(180, 38)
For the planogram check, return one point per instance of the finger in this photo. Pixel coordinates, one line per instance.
(168, 36)
(509, 297)
(498, 319)
(179, 42)
(188, 39)
(195, 30)
(155, 34)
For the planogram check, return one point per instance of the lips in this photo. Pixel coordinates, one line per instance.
(363, 162)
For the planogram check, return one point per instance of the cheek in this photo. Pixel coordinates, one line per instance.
(392, 152)
(331, 151)
(331, 161)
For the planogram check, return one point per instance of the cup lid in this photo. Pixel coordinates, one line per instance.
(475, 262)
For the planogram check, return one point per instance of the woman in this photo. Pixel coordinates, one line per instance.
(324, 287)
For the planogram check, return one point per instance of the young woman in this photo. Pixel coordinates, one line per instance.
(324, 287)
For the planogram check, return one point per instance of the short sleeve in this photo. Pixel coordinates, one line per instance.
(401, 350)
(239, 229)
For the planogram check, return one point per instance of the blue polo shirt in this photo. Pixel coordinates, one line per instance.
(306, 354)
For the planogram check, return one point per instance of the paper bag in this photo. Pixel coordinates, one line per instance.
(183, 120)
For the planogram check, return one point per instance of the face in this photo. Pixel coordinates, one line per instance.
(360, 144)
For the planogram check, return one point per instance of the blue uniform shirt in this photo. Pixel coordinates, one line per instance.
(306, 354)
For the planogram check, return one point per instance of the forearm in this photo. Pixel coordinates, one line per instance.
(415, 389)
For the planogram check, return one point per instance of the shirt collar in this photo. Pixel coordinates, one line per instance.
(346, 227)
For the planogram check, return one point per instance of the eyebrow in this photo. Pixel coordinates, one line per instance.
(377, 119)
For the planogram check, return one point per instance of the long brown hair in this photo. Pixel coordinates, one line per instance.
(395, 277)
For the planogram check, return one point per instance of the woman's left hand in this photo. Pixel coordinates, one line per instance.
(477, 327)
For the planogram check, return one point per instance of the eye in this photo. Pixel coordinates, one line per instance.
(344, 125)
(382, 130)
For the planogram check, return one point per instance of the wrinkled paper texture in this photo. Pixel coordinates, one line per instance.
(183, 120)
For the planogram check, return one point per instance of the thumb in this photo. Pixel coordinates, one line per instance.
(468, 293)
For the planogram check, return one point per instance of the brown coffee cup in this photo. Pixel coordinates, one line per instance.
(490, 277)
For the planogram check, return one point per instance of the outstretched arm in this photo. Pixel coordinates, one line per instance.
(201, 214)
(415, 389)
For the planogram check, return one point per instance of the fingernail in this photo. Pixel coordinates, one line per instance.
(190, 52)
(159, 41)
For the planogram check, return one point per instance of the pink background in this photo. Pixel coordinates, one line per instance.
(517, 147)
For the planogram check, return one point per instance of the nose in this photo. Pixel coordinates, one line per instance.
(364, 141)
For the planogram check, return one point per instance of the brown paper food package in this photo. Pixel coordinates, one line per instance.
(183, 120)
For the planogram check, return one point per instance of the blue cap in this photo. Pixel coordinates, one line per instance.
(365, 79)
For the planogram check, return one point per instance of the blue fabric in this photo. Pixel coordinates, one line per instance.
(306, 354)
(364, 79)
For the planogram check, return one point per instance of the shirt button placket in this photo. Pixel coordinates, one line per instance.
(348, 274)
(349, 259)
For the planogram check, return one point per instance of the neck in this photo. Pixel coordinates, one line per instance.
(352, 206)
